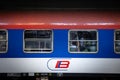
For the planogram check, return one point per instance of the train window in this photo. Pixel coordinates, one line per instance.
(40, 41)
(83, 41)
(117, 41)
(3, 41)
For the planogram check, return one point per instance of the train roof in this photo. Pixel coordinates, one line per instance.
(58, 18)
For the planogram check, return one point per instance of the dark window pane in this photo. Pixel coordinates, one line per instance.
(87, 35)
(38, 33)
(93, 35)
(117, 46)
(117, 35)
(73, 35)
(48, 44)
(38, 40)
(73, 46)
(44, 34)
(30, 34)
(88, 46)
(2, 35)
(42, 44)
(83, 41)
(31, 44)
(2, 46)
(83, 35)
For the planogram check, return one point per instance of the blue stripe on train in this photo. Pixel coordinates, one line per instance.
(15, 46)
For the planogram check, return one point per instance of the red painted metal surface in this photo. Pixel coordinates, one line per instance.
(58, 27)
(60, 19)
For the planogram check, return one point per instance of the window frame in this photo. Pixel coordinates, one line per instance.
(38, 51)
(97, 40)
(5, 40)
(115, 41)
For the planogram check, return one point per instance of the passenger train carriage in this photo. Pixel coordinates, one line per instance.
(60, 41)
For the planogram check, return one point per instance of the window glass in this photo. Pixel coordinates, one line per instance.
(3, 41)
(117, 41)
(83, 41)
(38, 40)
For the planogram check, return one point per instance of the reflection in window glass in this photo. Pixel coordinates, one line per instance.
(83, 41)
(117, 35)
(38, 40)
(3, 41)
(117, 41)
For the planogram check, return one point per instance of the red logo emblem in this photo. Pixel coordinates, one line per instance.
(62, 64)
